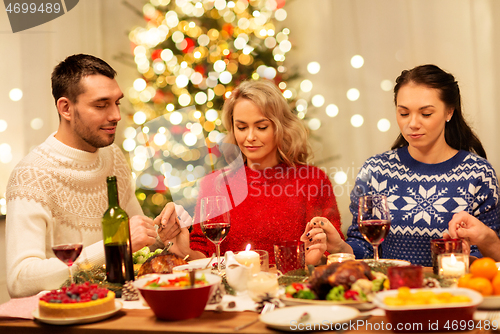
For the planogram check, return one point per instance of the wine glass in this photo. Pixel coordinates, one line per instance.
(374, 220)
(67, 242)
(214, 220)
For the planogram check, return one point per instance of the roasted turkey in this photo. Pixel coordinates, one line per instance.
(345, 273)
(161, 264)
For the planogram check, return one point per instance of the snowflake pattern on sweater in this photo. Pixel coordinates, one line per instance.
(423, 198)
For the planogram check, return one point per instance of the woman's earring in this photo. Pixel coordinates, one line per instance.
(447, 121)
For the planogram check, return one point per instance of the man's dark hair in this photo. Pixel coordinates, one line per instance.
(68, 73)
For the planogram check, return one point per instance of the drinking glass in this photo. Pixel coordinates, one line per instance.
(214, 220)
(290, 256)
(67, 242)
(374, 220)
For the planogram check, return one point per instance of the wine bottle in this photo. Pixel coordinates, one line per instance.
(116, 235)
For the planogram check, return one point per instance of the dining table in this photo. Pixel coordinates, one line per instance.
(143, 320)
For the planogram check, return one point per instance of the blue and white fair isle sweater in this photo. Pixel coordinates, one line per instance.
(423, 198)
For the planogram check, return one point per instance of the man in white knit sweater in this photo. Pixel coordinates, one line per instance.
(66, 177)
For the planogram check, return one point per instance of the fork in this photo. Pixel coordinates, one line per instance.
(267, 308)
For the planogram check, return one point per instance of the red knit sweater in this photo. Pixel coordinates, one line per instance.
(274, 205)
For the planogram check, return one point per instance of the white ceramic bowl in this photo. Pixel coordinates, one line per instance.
(490, 303)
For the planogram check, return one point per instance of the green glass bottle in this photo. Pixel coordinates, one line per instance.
(116, 235)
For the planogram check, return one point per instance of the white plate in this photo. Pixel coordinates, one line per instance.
(490, 303)
(362, 306)
(203, 262)
(322, 317)
(80, 320)
(197, 264)
(390, 261)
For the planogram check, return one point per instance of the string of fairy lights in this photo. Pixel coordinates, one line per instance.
(193, 53)
(190, 55)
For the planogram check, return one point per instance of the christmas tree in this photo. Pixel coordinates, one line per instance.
(191, 54)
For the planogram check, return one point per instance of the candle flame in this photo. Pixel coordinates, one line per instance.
(453, 259)
(248, 247)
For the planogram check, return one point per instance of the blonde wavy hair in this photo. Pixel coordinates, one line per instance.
(290, 133)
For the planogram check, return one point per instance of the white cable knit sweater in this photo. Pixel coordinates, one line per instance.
(52, 181)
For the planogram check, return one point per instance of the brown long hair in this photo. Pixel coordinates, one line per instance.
(457, 132)
(289, 132)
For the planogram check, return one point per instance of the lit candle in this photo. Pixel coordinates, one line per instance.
(247, 258)
(451, 267)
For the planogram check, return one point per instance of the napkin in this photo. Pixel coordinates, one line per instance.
(134, 304)
(21, 308)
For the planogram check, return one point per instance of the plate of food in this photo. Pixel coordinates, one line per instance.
(360, 305)
(308, 317)
(78, 303)
(352, 283)
(204, 265)
(388, 262)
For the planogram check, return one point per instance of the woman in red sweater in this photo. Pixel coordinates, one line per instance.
(274, 193)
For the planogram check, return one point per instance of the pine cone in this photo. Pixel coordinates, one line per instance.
(129, 292)
(266, 298)
(217, 295)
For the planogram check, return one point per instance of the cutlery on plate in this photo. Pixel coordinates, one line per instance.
(305, 316)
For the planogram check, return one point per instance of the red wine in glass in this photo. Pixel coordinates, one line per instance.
(374, 220)
(216, 232)
(375, 230)
(214, 220)
(67, 253)
(67, 243)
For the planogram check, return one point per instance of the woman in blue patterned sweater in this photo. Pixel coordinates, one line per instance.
(437, 167)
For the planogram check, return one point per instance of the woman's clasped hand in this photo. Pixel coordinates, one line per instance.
(320, 236)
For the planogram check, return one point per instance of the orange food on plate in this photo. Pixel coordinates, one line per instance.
(484, 267)
(406, 297)
(496, 284)
(481, 285)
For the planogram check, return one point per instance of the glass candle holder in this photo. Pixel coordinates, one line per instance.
(261, 284)
(443, 246)
(339, 257)
(264, 259)
(453, 265)
(409, 276)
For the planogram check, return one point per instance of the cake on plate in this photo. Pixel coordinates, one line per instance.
(76, 301)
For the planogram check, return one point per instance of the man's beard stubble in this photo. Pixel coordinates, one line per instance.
(85, 133)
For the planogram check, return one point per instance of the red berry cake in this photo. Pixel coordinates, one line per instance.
(76, 301)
